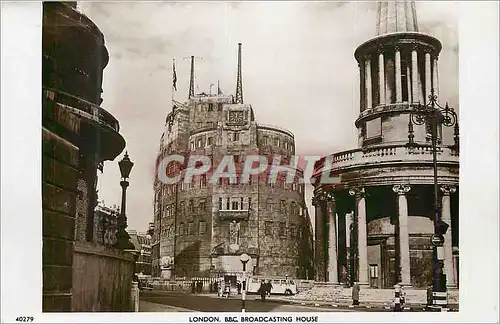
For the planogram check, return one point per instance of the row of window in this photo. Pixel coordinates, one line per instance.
(200, 142)
(277, 142)
(232, 203)
(270, 229)
(202, 180)
(201, 229)
(209, 106)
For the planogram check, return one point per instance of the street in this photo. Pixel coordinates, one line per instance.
(188, 302)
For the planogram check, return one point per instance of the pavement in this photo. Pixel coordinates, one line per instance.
(212, 303)
(156, 301)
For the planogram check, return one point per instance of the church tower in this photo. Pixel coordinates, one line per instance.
(398, 68)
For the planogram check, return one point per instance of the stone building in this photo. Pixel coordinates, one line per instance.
(105, 224)
(78, 135)
(142, 244)
(201, 228)
(375, 226)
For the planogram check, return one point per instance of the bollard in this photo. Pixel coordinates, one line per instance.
(397, 298)
(135, 296)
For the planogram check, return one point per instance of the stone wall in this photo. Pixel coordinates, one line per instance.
(60, 162)
(111, 271)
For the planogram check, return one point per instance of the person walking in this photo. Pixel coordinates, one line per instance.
(355, 294)
(429, 296)
(269, 286)
(262, 291)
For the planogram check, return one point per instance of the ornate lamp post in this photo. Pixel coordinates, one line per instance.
(433, 115)
(244, 258)
(122, 237)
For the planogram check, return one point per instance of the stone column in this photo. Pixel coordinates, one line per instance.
(399, 90)
(362, 239)
(368, 82)
(435, 82)
(319, 241)
(414, 76)
(381, 77)
(404, 239)
(348, 222)
(448, 250)
(332, 241)
(428, 76)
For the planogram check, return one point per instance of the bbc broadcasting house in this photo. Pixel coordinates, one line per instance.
(201, 229)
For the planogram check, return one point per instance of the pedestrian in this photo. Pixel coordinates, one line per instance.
(193, 287)
(429, 296)
(262, 290)
(199, 286)
(269, 287)
(355, 294)
(238, 286)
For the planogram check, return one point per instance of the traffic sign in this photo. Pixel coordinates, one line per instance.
(437, 240)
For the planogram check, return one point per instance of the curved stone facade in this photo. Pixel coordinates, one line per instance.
(204, 226)
(77, 136)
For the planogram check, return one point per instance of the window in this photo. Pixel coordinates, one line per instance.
(181, 208)
(198, 143)
(373, 271)
(209, 141)
(234, 205)
(192, 146)
(236, 136)
(203, 181)
(181, 229)
(191, 206)
(283, 206)
(282, 229)
(292, 208)
(265, 140)
(220, 203)
(268, 228)
(202, 205)
(190, 228)
(210, 107)
(227, 204)
(269, 204)
(202, 227)
(293, 231)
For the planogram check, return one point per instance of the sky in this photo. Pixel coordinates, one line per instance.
(299, 72)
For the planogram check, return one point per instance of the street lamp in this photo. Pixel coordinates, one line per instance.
(433, 115)
(122, 237)
(244, 258)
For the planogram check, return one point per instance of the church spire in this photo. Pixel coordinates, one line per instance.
(191, 79)
(239, 83)
(396, 17)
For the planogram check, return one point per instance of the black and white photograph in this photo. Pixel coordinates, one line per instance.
(250, 161)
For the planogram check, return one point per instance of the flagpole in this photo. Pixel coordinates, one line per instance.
(173, 82)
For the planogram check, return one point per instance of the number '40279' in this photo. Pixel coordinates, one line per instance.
(24, 319)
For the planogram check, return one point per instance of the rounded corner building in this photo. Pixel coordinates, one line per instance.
(385, 201)
(203, 226)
